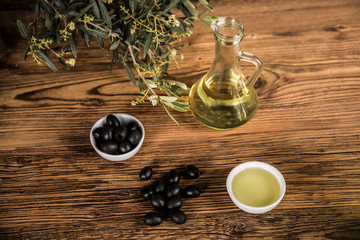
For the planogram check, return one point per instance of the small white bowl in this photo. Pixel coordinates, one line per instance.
(124, 120)
(264, 166)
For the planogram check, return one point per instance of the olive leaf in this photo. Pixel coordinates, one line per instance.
(147, 11)
(95, 9)
(83, 11)
(206, 4)
(22, 29)
(170, 115)
(105, 13)
(73, 46)
(130, 74)
(171, 5)
(141, 85)
(190, 7)
(47, 8)
(182, 86)
(114, 45)
(205, 23)
(147, 43)
(168, 98)
(100, 41)
(47, 61)
(175, 107)
(180, 104)
(37, 10)
(133, 5)
(209, 18)
(96, 32)
(206, 19)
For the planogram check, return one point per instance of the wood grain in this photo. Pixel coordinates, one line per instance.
(53, 185)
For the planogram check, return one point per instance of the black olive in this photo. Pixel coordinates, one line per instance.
(178, 216)
(132, 126)
(120, 133)
(157, 201)
(145, 173)
(172, 189)
(112, 120)
(159, 186)
(174, 176)
(152, 219)
(192, 191)
(174, 203)
(97, 133)
(107, 132)
(192, 172)
(146, 192)
(109, 146)
(125, 146)
(134, 137)
(98, 143)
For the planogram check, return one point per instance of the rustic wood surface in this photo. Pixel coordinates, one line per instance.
(53, 185)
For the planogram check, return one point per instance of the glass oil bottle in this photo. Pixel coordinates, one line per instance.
(224, 98)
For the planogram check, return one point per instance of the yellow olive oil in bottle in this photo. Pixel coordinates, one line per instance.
(220, 105)
(224, 99)
(256, 187)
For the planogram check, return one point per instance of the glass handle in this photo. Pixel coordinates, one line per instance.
(259, 67)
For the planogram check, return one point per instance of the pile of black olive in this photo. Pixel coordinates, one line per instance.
(116, 138)
(165, 195)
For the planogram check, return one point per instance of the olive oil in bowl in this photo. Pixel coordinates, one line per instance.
(256, 187)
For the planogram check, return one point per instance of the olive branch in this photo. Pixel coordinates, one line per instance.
(143, 35)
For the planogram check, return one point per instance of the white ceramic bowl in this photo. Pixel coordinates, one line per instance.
(262, 165)
(124, 119)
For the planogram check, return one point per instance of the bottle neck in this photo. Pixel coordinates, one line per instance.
(226, 61)
(226, 53)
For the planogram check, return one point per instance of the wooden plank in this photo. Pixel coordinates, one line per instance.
(54, 186)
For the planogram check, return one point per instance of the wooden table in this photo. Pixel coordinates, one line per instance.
(53, 185)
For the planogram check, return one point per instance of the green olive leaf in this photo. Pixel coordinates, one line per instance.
(105, 13)
(130, 74)
(190, 7)
(210, 18)
(100, 41)
(22, 29)
(95, 9)
(86, 37)
(85, 10)
(177, 108)
(47, 61)
(114, 45)
(147, 11)
(150, 83)
(180, 104)
(73, 46)
(141, 85)
(37, 10)
(47, 8)
(181, 85)
(148, 41)
(96, 32)
(205, 23)
(206, 4)
(168, 98)
(171, 116)
(171, 5)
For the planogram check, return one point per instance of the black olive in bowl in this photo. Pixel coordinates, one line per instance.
(117, 137)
